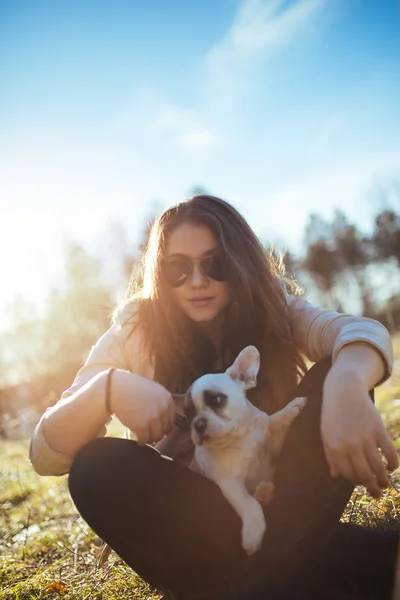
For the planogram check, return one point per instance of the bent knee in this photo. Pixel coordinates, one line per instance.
(102, 464)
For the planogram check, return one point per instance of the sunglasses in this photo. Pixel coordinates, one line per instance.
(177, 271)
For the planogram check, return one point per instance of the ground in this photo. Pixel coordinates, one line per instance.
(47, 551)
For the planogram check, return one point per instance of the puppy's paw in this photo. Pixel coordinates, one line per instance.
(298, 404)
(253, 530)
(264, 492)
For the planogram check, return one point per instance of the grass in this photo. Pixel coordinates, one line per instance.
(47, 551)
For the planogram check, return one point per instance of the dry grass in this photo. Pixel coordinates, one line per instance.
(47, 551)
(383, 513)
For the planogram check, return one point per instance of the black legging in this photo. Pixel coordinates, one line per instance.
(177, 531)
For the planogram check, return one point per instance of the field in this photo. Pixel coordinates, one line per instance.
(47, 551)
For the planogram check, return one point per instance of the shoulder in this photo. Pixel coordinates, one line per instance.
(291, 290)
(130, 333)
(127, 313)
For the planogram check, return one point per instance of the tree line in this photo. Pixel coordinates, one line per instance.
(340, 263)
(345, 264)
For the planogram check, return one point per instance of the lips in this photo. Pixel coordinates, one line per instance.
(200, 302)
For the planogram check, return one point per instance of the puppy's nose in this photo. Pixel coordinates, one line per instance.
(200, 425)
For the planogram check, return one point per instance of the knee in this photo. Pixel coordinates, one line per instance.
(89, 471)
(100, 466)
(313, 380)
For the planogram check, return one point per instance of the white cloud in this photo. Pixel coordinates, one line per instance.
(185, 127)
(172, 118)
(198, 139)
(266, 24)
(260, 27)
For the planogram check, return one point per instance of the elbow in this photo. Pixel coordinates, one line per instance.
(47, 463)
(46, 470)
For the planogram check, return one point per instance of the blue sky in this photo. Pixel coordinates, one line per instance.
(281, 107)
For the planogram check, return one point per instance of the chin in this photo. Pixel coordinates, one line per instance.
(203, 316)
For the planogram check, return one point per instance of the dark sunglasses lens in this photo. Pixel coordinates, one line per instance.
(176, 272)
(212, 267)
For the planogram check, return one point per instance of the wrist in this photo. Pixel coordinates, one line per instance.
(345, 372)
(360, 362)
(118, 385)
(344, 386)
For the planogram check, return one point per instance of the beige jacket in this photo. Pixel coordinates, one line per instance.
(317, 332)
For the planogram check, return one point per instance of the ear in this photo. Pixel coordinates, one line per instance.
(179, 401)
(245, 368)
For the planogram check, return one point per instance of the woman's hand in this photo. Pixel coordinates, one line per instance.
(352, 432)
(142, 405)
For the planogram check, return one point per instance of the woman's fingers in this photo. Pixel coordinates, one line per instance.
(389, 450)
(345, 467)
(364, 473)
(171, 416)
(165, 421)
(143, 435)
(364, 466)
(378, 468)
(149, 433)
(156, 431)
(167, 417)
(356, 468)
(333, 470)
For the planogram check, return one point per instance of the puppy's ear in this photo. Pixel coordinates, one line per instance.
(179, 401)
(245, 368)
(188, 405)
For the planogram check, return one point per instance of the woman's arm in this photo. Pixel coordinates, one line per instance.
(77, 419)
(142, 405)
(362, 362)
(352, 429)
(362, 357)
(81, 407)
(319, 332)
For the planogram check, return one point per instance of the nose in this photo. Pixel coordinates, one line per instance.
(197, 277)
(200, 425)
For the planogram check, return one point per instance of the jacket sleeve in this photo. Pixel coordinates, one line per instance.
(319, 332)
(116, 348)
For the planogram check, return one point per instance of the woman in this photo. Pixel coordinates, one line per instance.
(208, 290)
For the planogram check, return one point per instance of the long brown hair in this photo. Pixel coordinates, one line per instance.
(257, 315)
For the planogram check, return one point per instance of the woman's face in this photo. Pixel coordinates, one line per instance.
(200, 297)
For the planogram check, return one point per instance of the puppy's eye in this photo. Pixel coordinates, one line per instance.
(217, 401)
(214, 400)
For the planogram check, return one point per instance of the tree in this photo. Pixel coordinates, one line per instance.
(78, 314)
(354, 251)
(21, 345)
(386, 235)
(322, 259)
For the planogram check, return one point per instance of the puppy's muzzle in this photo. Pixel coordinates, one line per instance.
(200, 427)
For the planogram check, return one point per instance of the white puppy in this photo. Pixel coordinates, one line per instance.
(236, 443)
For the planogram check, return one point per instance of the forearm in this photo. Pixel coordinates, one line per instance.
(73, 422)
(361, 361)
(352, 431)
